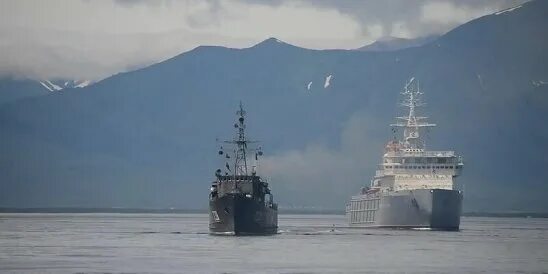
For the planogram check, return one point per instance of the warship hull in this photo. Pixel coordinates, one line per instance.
(240, 215)
(435, 209)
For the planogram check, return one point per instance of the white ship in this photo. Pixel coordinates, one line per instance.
(413, 187)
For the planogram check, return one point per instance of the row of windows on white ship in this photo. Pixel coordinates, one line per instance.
(423, 160)
(421, 167)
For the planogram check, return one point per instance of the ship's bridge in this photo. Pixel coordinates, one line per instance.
(420, 162)
(430, 157)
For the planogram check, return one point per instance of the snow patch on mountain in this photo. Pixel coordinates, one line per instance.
(480, 81)
(50, 86)
(84, 83)
(539, 83)
(64, 84)
(327, 81)
(46, 86)
(507, 10)
(54, 86)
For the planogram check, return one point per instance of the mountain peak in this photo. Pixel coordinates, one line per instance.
(271, 42)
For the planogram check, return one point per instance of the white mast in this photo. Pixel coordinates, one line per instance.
(412, 122)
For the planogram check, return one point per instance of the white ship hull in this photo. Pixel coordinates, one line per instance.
(436, 209)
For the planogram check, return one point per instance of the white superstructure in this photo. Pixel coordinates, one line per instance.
(407, 165)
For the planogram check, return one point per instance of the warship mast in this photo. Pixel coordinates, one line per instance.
(412, 123)
(240, 151)
(240, 161)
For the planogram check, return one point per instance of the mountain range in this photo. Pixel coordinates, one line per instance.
(14, 89)
(147, 138)
(390, 43)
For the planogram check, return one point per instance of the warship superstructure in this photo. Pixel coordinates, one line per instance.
(413, 187)
(240, 202)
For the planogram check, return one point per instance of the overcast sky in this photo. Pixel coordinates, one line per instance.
(84, 39)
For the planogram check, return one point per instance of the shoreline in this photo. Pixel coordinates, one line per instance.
(501, 214)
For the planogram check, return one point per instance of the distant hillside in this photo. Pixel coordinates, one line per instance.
(390, 43)
(146, 139)
(12, 89)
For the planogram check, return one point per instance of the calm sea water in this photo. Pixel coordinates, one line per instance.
(179, 243)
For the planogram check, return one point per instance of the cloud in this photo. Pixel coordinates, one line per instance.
(94, 39)
(338, 172)
(447, 13)
(416, 18)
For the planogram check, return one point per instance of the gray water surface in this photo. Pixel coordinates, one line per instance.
(180, 243)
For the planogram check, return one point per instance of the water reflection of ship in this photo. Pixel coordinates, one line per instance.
(240, 202)
(413, 187)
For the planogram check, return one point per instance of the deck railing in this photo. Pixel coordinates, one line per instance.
(429, 153)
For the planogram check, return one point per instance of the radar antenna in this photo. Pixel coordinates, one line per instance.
(412, 123)
(240, 143)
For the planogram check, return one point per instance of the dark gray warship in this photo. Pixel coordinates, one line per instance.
(240, 202)
(413, 187)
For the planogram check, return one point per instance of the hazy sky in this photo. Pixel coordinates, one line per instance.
(93, 39)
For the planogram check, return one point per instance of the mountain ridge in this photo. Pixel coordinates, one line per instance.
(390, 43)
